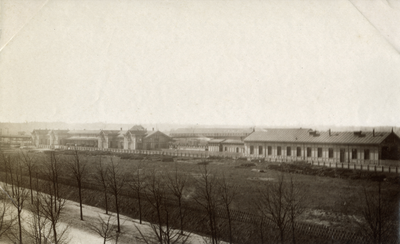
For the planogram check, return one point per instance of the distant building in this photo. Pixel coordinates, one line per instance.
(210, 139)
(135, 138)
(285, 145)
(21, 140)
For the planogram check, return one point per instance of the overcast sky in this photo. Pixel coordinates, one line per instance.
(247, 62)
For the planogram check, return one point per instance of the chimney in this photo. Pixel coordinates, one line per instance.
(121, 128)
(153, 128)
(329, 132)
(373, 132)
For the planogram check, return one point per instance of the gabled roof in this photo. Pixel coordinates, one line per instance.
(149, 134)
(310, 136)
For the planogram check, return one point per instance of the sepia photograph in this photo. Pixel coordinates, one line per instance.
(199, 121)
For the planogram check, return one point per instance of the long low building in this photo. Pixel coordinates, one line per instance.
(136, 138)
(286, 145)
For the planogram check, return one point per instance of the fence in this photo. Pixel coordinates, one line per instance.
(166, 152)
(206, 154)
(373, 168)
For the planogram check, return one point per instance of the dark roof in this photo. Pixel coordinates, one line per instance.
(212, 131)
(310, 136)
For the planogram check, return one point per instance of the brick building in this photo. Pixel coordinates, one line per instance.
(308, 145)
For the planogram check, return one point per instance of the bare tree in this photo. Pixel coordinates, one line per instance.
(177, 184)
(295, 196)
(207, 198)
(272, 206)
(30, 163)
(7, 220)
(78, 168)
(105, 228)
(101, 176)
(19, 193)
(116, 180)
(137, 185)
(163, 214)
(52, 204)
(5, 163)
(227, 194)
(38, 224)
(380, 214)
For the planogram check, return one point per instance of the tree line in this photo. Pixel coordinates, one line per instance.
(167, 195)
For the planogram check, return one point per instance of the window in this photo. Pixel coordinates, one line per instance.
(260, 150)
(226, 149)
(366, 154)
(251, 149)
(288, 151)
(330, 152)
(237, 149)
(269, 150)
(354, 154)
(320, 152)
(279, 152)
(308, 152)
(298, 151)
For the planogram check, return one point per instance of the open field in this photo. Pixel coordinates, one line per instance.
(331, 197)
(330, 201)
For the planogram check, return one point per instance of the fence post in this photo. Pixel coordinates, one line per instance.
(361, 167)
(382, 169)
(397, 170)
(375, 168)
(368, 167)
(389, 169)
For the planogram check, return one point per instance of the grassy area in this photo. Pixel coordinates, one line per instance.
(325, 193)
(333, 196)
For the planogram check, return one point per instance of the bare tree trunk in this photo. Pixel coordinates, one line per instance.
(78, 169)
(116, 181)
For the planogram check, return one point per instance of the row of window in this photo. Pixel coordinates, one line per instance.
(319, 152)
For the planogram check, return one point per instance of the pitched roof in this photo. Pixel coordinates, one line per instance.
(310, 136)
(148, 134)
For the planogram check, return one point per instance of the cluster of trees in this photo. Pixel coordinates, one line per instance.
(166, 199)
(30, 216)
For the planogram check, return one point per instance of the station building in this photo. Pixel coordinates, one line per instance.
(210, 139)
(286, 145)
(136, 138)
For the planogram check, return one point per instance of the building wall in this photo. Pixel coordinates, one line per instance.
(156, 141)
(261, 150)
(234, 148)
(213, 147)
